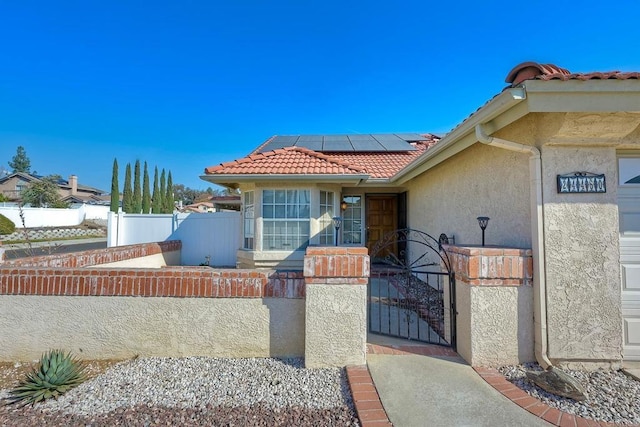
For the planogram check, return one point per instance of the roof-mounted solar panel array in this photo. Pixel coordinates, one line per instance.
(346, 143)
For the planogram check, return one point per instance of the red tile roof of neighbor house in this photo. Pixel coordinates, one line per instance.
(535, 71)
(303, 161)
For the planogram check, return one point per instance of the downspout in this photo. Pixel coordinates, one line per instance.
(537, 229)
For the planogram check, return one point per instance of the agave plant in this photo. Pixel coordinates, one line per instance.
(57, 373)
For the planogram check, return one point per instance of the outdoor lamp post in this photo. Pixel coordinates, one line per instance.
(482, 222)
(337, 222)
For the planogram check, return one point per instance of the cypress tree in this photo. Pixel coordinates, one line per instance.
(163, 192)
(146, 193)
(168, 200)
(127, 192)
(137, 192)
(115, 188)
(156, 199)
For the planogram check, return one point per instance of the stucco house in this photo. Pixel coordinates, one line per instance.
(553, 160)
(12, 185)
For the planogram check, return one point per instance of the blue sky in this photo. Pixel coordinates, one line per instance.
(189, 84)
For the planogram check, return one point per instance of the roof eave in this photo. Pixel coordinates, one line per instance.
(463, 135)
(232, 180)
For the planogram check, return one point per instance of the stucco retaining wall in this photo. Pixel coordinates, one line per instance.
(494, 302)
(336, 306)
(121, 327)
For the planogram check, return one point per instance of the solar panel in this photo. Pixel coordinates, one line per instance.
(279, 141)
(291, 139)
(310, 138)
(346, 143)
(391, 142)
(365, 144)
(410, 136)
(336, 143)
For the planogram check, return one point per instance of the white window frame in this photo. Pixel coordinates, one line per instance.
(281, 216)
(345, 220)
(249, 221)
(326, 233)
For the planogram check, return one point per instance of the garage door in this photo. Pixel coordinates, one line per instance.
(629, 208)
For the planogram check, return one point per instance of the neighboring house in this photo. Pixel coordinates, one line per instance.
(70, 190)
(553, 160)
(215, 204)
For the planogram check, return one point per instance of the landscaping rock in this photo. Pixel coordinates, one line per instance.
(557, 382)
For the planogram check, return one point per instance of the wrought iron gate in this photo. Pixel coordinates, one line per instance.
(411, 292)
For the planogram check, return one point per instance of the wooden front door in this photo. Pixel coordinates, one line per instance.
(382, 217)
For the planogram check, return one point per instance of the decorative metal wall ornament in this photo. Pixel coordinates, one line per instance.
(582, 182)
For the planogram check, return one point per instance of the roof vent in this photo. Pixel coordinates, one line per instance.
(531, 70)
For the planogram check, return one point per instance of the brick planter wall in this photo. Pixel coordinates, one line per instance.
(96, 257)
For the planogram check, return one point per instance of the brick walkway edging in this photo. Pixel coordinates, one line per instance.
(365, 398)
(535, 406)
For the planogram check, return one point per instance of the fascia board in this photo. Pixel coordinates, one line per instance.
(583, 96)
(232, 179)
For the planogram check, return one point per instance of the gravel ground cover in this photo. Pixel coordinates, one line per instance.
(197, 391)
(612, 396)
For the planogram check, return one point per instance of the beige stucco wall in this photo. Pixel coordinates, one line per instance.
(582, 258)
(121, 327)
(150, 261)
(481, 181)
(494, 324)
(336, 319)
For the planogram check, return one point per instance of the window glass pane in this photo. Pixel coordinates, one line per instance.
(267, 211)
(280, 197)
(292, 211)
(267, 196)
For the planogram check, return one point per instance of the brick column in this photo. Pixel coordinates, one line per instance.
(494, 301)
(336, 281)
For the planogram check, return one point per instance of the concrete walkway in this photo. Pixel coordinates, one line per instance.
(419, 390)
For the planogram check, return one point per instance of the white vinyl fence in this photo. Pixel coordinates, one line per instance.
(215, 235)
(50, 217)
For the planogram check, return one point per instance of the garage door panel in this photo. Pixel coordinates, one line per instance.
(629, 210)
(631, 277)
(631, 333)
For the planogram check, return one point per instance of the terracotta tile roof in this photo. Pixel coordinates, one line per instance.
(285, 161)
(535, 71)
(301, 161)
(384, 165)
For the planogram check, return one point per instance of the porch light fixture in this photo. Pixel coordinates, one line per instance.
(337, 222)
(343, 206)
(482, 222)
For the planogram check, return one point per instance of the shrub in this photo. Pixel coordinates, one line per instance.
(57, 373)
(6, 225)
